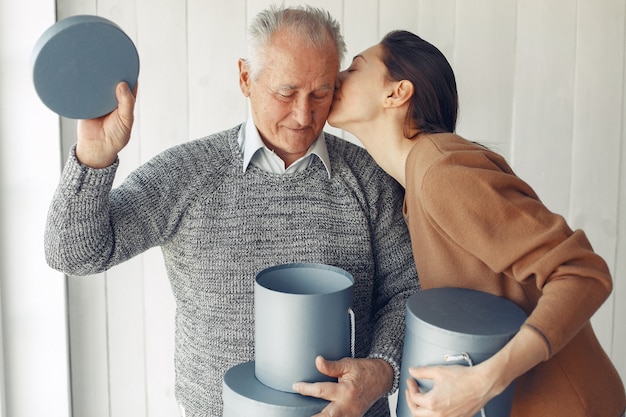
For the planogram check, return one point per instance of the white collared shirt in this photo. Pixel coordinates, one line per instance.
(256, 153)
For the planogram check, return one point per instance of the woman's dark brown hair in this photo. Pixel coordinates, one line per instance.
(434, 105)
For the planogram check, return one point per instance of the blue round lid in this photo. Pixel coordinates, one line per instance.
(452, 313)
(77, 63)
(249, 397)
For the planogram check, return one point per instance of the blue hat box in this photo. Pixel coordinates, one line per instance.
(456, 326)
(301, 310)
(245, 396)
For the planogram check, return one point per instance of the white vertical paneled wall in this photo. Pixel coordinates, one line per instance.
(34, 372)
(541, 82)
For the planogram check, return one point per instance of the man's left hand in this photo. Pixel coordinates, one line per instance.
(361, 382)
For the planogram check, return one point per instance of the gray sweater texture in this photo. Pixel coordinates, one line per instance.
(218, 226)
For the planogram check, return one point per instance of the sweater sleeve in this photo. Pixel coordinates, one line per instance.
(396, 278)
(481, 206)
(91, 227)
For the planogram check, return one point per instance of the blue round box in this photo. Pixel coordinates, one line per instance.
(456, 326)
(301, 311)
(245, 396)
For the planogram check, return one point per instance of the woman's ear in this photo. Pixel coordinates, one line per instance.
(400, 93)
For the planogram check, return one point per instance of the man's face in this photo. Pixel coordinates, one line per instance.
(292, 94)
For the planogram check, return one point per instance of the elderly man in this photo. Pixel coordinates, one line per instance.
(275, 189)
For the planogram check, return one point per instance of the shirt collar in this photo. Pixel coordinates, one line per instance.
(250, 143)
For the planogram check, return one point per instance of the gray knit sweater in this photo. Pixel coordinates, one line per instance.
(218, 227)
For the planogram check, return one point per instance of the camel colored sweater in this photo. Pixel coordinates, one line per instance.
(477, 225)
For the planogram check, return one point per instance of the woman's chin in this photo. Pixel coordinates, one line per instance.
(334, 121)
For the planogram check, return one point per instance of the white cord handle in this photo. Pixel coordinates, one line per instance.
(463, 357)
(352, 332)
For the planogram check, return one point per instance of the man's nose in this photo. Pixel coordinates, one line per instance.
(303, 111)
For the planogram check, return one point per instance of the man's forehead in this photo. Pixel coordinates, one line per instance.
(294, 80)
(300, 69)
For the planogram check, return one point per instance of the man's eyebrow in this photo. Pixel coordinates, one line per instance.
(295, 87)
(287, 87)
(327, 87)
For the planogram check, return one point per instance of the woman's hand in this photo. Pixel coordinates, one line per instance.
(461, 391)
(458, 391)
(101, 139)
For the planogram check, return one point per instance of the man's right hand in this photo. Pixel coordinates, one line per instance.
(101, 139)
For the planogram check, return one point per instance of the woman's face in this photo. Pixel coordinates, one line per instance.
(361, 90)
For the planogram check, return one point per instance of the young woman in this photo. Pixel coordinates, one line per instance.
(475, 224)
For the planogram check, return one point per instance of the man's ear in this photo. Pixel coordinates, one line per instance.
(399, 94)
(244, 77)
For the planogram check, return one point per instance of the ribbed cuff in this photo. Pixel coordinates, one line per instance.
(396, 372)
(79, 177)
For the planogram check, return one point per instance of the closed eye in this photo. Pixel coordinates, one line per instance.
(322, 94)
(285, 95)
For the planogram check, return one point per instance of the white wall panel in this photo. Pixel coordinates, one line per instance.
(360, 25)
(484, 63)
(163, 104)
(215, 100)
(397, 14)
(89, 353)
(543, 102)
(436, 22)
(596, 141)
(33, 313)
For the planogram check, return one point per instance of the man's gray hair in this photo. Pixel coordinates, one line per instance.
(309, 24)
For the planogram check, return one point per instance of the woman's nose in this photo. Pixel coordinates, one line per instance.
(340, 77)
